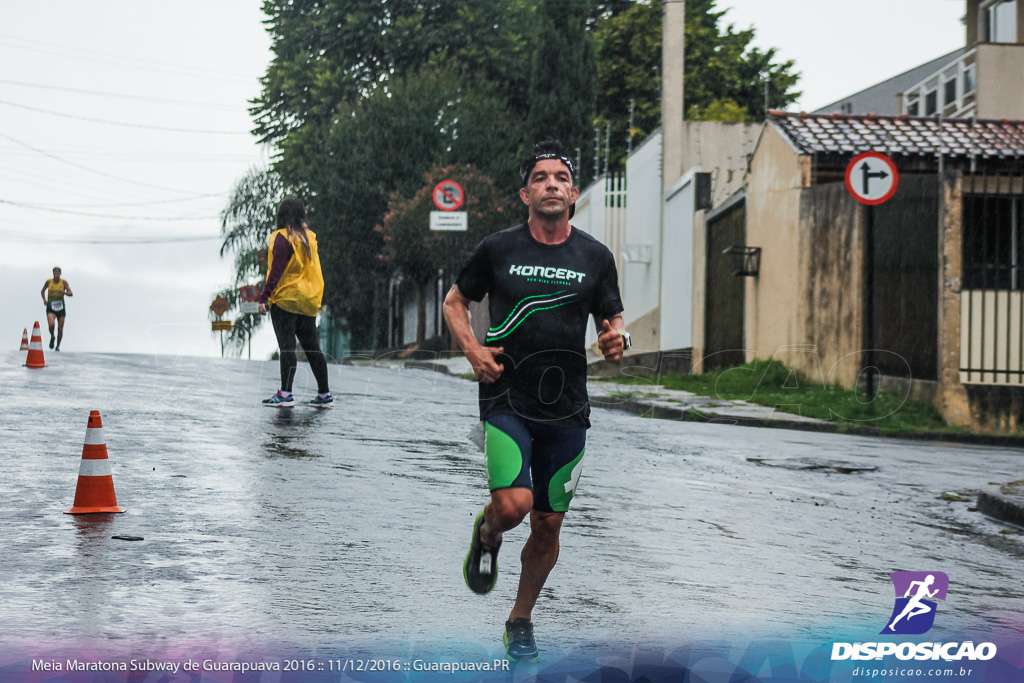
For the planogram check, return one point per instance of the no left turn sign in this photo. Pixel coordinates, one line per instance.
(872, 178)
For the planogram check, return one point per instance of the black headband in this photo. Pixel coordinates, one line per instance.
(548, 155)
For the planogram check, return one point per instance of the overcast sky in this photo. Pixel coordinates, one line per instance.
(124, 125)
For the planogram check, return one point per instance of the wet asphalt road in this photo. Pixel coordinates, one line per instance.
(347, 528)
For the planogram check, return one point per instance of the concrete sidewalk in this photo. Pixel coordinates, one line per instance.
(1004, 502)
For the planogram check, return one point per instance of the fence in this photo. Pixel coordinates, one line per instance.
(992, 293)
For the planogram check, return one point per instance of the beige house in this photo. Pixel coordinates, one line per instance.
(931, 280)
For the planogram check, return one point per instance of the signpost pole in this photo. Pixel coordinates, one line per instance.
(869, 298)
(862, 170)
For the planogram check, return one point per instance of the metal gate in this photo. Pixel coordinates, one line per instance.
(992, 288)
(723, 310)
(906, 275)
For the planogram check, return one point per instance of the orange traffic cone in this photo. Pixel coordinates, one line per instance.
(35, 350)
(24, 340)
(95, 492)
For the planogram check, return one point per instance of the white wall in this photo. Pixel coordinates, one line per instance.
(677, 249)
(409, 305)
(599, 213)
(589, 215)
(642, 240)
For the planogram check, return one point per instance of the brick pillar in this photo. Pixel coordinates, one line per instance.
(951, 397)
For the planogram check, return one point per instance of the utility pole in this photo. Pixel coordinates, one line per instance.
(672, 105)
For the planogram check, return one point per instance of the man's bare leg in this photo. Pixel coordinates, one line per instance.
(538, 557)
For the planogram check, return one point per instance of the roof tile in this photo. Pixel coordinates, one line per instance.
(843, 134)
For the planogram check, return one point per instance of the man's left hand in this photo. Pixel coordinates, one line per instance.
(610, 342)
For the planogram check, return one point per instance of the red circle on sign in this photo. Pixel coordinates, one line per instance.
(249, 293)
(442, 193)
(892, 169)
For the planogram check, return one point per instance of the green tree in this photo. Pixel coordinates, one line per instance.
(329, 52)
(412, 250)
(563, 75)
(246, 224)
(723, 80)
(383, 143)
(362, 97)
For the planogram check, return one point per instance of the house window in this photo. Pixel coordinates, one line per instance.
(931, 102)
(949, 92)
(993, 243)
(914, 108)
(969, 79)
(1001, 22)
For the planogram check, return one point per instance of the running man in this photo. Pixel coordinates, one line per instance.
(53, 293)
(544, 279)
(914, 606)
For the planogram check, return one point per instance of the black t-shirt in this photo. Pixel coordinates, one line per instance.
(541, 299)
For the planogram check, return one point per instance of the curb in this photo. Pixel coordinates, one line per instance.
(993, 501)
(427, 365)
(683, 414)
(662, 412)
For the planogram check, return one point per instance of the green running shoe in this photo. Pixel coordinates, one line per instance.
(519, 642)
(480, 568)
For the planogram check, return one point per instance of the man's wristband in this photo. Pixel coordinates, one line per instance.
(627, 341)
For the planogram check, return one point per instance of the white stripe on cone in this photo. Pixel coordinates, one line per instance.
(94, 436)
(35, 346)
(94, 468)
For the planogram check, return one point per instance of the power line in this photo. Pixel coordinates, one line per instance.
(126, 204)
(34, 237)
(31, 207)
(92, 170)
(141, 98)
(123, 123)
(140, 157)
(119, 60)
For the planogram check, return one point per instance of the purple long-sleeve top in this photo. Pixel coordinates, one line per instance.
(283, 252)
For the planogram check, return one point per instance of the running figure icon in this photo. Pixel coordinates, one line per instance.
(916, 596)
(915, 607)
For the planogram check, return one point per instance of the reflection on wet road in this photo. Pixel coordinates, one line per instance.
(349, 526)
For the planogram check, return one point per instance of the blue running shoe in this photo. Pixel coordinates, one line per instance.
(279, 400)
(323, 401)
(519, 642)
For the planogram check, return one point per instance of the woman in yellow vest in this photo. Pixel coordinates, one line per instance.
(53, 294)
(293, 291)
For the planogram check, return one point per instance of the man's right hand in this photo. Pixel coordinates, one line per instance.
(485, 366)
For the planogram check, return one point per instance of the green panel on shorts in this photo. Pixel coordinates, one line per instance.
(563, 484)
(503, 458)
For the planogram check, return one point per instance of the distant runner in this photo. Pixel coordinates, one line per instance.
(53, 293)
(544, 279)
(293, 292)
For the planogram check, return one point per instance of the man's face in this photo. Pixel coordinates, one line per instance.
(549, 190)
(56, 273)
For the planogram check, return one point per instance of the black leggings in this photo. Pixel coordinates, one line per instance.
(288, 326)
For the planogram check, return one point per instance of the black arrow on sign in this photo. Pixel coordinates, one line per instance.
(868, 174)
